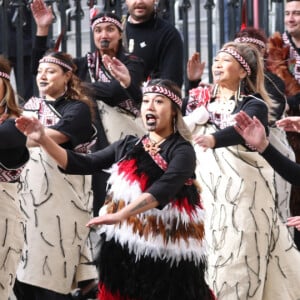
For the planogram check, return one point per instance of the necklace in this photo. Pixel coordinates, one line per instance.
(151, 146)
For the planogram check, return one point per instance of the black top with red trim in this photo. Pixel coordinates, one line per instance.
(253, 106)
(177, 152)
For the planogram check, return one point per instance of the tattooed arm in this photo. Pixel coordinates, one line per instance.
(144, 202)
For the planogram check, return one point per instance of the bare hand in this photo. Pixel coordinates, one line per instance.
(205, 141)
(195, 67)
(108, 219)
(289, 124)
(294, 221)
(117, 69)
(42, 15)
(31, 127)
(251, 130)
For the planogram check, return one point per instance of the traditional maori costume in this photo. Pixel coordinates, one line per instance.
(56, 206)
(159, 254)
(14, 155)
(251, 253)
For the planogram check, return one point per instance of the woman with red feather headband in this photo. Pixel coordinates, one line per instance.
(151, 226)
(13, 157)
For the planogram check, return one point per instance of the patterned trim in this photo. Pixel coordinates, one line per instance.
(239, 58)
(106, 20)
(251, 41)
(53, 60)
(10, 175)
(4, 75)
(159, 160)
(163, 91)
(293, 60)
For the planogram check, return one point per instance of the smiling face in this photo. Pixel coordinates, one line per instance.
(106, 38)
(140, 10)
(227, 71)
(52, 80)
(157, 114)
(292, 18)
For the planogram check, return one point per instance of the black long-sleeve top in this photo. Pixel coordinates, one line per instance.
(253, 107)
(75, 121)
(13, 151)
(160, 45)
(178, 153)
(288, 169)
(111, 92)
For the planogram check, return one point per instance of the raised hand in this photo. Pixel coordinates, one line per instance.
(195, 67)
(42, 15)
(252, 131)
(118, 70)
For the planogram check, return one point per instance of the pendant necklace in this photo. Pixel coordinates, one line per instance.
(152, 146)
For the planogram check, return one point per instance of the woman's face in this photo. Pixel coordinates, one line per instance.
(106, 38)
(227, 71)
(52, 80)
(157, 113)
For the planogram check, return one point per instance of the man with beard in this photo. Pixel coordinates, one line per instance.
(154, 40)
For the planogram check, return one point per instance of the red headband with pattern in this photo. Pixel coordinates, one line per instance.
(4, 75)
(163, 91)
(239, 58)
(105, 19)
(53, 60)
(250, 40)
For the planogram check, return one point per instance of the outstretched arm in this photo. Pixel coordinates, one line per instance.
(289, 124)
(294, 222)
(144, 202)
(33, 129)
(254, 134)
